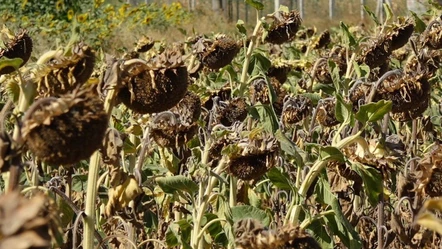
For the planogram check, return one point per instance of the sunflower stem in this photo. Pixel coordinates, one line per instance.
(94, 166)
(27, 94)
(233, 191)
(204, 201)
(248, 55)
(314, 172)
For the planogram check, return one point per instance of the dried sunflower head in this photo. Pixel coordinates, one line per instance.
(223, 94)
(321, 72)
(177, 126)
(296, 238)
(216, 53)
(227, 113)
(322, 41)
(375, 53)
(295, 109)
(28, 223)
(357, 94)
(410, 94)
(400, 33)
(254, 157)
(64, 74)
(432, 37)
(326, 113)
(284, 27)
(429, 173)
(279, 72)
(250, 233)
(259, 92)
(144, 44)
(18, 47)
(189, 108)
(305, 33)
(216, 148)
(155, 87)
(65, 130)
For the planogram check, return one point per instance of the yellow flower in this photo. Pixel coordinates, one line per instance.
(82, 18)
(23, 3)
(147, 20)
(122, 9)
(59, 5)
(98, 3)
(111, 15)
(24, 20)
(109, 8)
(70, 14)
(177, 5)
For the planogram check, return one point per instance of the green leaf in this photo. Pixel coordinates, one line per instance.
(388, 11)
(372, 179)
(215, 229)
(79, 183)
(267, 117)
(372, 112)
(320, 234)
(240, 27)
(172, 235)
(171, 184)
(347, 35)
(279, 179)
(255, 4)
(419, 26)
(336, 78)
(339, 225)
(228, 230)
(330, 152)
(14, 62)
(246, 211)
(254, 199)
(372, 15)
(361, 70)
(284, 8)
(271, 91)
(66, 210)
(129, 147)
(259, 64)
(289, 147)
(343, 110)
(327, 88)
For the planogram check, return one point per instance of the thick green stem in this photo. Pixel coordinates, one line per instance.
(314, 172)
(27, 94)
(233, 191)
(307, 222)
(204, 201)
(200, 235)
(249, 52)
(94, 168)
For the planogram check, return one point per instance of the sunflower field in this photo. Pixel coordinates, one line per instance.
(275, 135)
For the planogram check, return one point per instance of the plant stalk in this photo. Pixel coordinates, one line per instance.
(249, 52)
(314, 172)
(94, 167)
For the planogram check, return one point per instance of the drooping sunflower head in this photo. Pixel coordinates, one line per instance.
(20, 46)
(65, 130)
(254, 157)
(284, 27)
